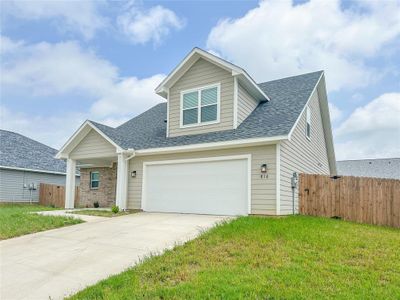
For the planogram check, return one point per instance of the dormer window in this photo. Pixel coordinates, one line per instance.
(200, 106)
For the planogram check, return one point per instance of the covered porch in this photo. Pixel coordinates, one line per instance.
(103, 165)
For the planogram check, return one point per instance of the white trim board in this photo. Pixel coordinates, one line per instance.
(278, 179)
(34, 170)
(213, 146)
(194, 160)
(235, 102)
(167, 130)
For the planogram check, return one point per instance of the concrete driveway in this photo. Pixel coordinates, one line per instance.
(60, 262)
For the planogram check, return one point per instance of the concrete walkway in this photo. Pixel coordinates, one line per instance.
(68, 213)
(60, 262)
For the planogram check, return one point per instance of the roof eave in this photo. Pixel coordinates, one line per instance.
(213, 145)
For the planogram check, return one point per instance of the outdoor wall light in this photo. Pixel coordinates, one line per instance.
(264, 168)
(133, 174)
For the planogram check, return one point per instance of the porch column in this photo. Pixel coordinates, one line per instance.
(70, 184)
(122, 182)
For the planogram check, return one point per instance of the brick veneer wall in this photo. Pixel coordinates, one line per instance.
(105, 194)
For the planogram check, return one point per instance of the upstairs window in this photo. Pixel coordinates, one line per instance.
(94, 180)
(308, 123)
(200, 106)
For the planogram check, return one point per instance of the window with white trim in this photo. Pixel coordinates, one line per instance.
(94, 180)
(200, 106)
(308, 123)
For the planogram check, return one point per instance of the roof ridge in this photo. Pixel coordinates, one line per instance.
(94, 123)
(293, 76)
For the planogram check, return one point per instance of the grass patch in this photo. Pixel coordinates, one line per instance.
(268, 258)
(17, 219)
(103, 213)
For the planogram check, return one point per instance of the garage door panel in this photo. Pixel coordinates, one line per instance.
(216, 187)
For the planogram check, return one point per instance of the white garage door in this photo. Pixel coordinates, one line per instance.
(218, 187)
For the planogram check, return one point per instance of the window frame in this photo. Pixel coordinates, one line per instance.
(308, 123)
(91, 181)
(199, 106)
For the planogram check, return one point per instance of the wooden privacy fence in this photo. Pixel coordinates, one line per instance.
(54, 195)
(360, 199)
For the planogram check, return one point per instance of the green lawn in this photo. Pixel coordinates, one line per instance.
(16, 220)
(268, 258)
(103, 213)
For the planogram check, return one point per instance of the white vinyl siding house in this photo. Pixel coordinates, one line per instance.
(14, 184)
(303, 155)
(24, 165)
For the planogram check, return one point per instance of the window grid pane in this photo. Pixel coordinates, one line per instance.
(209, 96)
(190, 116)
(209, 113)
(94, 184)
(190, 100)
(95, 175)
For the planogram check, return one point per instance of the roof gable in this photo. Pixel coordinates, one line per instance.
(80, 134)
(193, 57)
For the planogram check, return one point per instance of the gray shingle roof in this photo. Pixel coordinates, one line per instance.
(274, 118)
(18, 151)
(380, 168)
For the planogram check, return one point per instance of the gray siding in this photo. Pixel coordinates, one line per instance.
(246, 104)
(12, 184)
(202, 73)
(303, 155)
(93, 145)
(263, 190)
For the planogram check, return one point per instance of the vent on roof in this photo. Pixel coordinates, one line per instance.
(165, 121)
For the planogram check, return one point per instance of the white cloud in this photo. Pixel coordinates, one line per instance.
(80, 16)
(335, 112)
(153, 25)
(50, 130)
(372, 130)
(7, 45)
(64, 70)
(279, 38)
(51, 69)
(125, 93)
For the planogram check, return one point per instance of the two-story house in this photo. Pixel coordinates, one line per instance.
(220, 144)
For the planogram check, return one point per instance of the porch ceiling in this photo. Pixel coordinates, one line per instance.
(97, 162)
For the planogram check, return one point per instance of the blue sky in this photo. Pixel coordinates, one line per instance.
(64, 62)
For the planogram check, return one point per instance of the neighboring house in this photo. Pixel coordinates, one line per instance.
(221, 144)
(24, 164)
(379, 168)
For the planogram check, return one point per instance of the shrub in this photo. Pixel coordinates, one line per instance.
(96, 204)
(115, 209)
